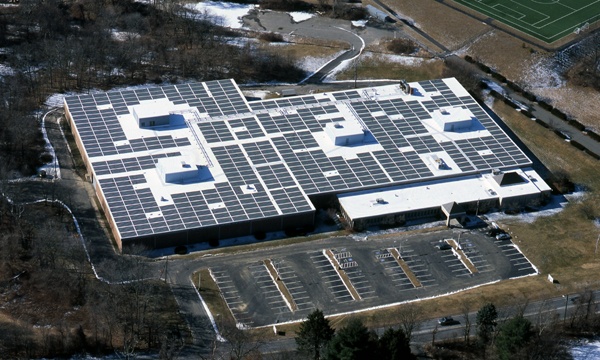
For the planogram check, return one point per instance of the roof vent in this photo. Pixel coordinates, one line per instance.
(380, 201)
(405, 87)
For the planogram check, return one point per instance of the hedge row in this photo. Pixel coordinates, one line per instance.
(560, 134)
(577, 125)
(527, 113)
(542, 123)
(593, 135)
(592, 154)
(577, 145)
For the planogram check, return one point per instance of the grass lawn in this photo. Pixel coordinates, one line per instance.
(546, 20)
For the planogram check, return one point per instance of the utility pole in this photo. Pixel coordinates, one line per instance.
(166, 268)
(355, 71)
(566, 303)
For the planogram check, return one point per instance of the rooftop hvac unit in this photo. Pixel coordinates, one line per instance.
(405, 87)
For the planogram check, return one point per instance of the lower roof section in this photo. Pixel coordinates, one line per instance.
(433, 194)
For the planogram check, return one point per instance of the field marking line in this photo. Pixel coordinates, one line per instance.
(565, 5)
(500, 6)
(526, 29)
(576, 11)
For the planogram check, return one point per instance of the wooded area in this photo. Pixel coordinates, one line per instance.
(53, 305)
(77, 45)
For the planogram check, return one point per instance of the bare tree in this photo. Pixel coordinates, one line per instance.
(241, 343)
(409, 316)
(465, 309)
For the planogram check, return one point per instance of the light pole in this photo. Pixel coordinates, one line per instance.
(566, 304)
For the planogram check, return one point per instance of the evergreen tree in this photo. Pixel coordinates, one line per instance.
(394, 345)
(513, 336)
(315, 332)
(353, 342)
(486, 322)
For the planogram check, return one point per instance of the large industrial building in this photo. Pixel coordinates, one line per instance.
(195, 162)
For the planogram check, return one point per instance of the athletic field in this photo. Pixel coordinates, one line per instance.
(546, 20)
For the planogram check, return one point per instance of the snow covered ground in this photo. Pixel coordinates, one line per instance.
(586, 351)
(298, 16)
(227, 14)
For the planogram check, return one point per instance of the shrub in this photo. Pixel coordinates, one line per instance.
(593, 135)
(271, 37)
(498, 77)
(181, 250)
(496, 94)
(560, 134)
(559, 113)
(538, 121)
(545, 105)
(402, 46)
(577, 125)
(560, 183)
(514, 86)
(260, 235)
(46, 158)
(529, 96)
(484, 68)
(577, 145)
(527, 113)
(286, 5)
(592, 154)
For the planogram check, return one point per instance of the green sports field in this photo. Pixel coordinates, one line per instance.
(546, 20)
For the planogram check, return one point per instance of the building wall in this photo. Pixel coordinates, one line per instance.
(221, 232)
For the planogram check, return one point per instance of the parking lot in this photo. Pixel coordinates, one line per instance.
(344, 274)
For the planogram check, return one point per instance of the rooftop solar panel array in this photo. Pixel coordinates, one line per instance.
(270, 151)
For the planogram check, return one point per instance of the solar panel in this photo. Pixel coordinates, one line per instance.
(270, 152)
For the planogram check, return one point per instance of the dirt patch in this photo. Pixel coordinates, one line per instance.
(385, 66)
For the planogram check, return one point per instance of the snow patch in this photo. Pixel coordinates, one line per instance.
(400, 59)
(6, 70)
(586, 350)
(299, 16)
(123, 35)
(556, 205)
(359, 23)
(543, 73)
(227, 14)
(313, 63)
(259, 94)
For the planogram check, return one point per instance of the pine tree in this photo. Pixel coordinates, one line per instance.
(314, 335)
